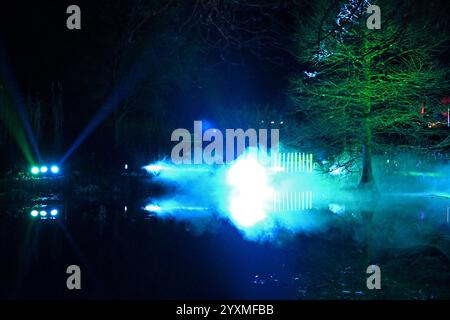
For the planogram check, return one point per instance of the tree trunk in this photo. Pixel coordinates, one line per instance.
(367, 179)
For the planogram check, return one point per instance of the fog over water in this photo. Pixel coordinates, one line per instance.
(409, 209)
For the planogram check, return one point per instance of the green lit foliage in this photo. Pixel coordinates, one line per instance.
(362, 89)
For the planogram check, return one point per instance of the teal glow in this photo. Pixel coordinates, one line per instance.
(54, 169)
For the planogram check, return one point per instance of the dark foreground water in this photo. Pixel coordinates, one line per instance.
(130, 254)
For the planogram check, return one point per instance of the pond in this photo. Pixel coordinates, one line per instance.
(126, 252)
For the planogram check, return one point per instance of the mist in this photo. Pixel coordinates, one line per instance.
(410, 206)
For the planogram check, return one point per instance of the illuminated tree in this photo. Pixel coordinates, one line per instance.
(361, 89)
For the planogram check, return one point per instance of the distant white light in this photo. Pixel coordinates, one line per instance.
(125, 209)
(272, 122)
(152, 208)
(54, 212)
(44, 169)
(311, 74)
(35, 170)
(34, 213)
(43, 213)
(54, 169)
(336, 171)
(153, 168)
(336, 208)
(126, 166)
(250, 195)
(281, 122)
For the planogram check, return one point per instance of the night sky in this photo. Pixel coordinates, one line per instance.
(43, 51)
(190, 68)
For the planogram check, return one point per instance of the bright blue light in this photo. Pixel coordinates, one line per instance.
(44, 169)
(152, 208)
(54, 169)
(153, 168)
(54, 212)
(34, 213)
(251, 193)
(43, 213)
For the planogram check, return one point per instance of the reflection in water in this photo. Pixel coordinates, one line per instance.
(396, 231)
(316, 241)
(124, 254)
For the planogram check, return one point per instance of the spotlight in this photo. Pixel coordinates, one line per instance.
(152, 208)
(251, 191)
(153, 168)
(54, 169)
(43, 213)
(54, 212)
(44, 169)
(35, 170)
(34, 213)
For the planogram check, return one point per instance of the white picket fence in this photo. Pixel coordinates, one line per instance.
(293, 162)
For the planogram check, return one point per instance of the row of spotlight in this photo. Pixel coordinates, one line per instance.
(44, 169)
(43, 213)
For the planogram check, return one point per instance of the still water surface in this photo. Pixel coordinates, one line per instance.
(128, 253)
